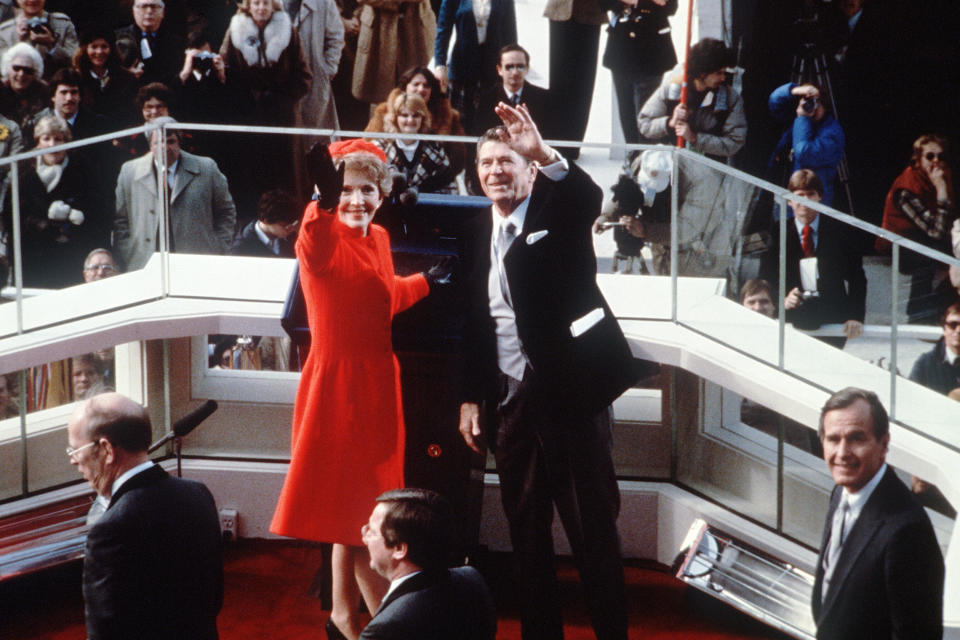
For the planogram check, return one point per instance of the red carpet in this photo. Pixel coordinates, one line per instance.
(266, 597)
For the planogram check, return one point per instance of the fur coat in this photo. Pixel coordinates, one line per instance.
(394, 36)
(266, 69)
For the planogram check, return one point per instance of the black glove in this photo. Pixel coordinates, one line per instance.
(440, 272)
(327, 177)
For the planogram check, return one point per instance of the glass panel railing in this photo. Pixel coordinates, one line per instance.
(720, 240)
(59, 215)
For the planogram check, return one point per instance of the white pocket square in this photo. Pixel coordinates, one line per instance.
(536, 235)
(583, 324)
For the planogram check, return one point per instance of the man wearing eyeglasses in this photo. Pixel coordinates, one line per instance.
(154, 51)
(513, 65)
(939, 368)
(99, 264)
(152, 566)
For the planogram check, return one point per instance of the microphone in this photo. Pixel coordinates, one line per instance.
(186, 424)
(189, 422)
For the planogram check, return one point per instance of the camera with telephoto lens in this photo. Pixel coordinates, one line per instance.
(203, 61)
(37, 25)
(809, 105)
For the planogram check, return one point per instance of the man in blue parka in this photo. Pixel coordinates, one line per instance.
(816, 137)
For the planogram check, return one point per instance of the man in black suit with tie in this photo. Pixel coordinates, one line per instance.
(152, 47)
(408, 538)
(841, 285)
(545, 357)
(880, 571)
(152, 567)
(513, 65)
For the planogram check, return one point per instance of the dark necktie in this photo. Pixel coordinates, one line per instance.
(806, 241)
(515, 100)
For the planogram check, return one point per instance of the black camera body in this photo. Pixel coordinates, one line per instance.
(203, 61)
(809, 105)
(38, 25)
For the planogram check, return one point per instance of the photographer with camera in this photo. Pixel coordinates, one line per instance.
(52, 34)
(202, 84)
(814, 140)
(201, 63)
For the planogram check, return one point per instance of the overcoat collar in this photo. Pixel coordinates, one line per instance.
(187, 169)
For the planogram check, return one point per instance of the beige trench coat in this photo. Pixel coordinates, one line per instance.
(394, 36)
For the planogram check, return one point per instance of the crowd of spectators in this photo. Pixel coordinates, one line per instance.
(73, 69)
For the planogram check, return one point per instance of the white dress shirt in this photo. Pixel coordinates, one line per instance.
(510, 356)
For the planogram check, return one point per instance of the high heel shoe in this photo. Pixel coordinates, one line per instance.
(333, 633)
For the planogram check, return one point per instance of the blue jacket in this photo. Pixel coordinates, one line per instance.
(465, 65)
(816, 146)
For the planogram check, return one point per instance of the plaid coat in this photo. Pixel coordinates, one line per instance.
(430, 171)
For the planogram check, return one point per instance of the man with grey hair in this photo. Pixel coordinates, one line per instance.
(153, 50)
(880, 570)
(202, 213)
(152, 566)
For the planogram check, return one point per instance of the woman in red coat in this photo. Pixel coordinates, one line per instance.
(348, 436)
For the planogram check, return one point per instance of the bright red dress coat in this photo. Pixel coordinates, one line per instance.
(348, 437)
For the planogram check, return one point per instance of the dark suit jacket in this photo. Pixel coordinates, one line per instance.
(152, 567)
(641, 43)
(466, 64)
(888, 582)
(452, 605)
(248, 244)
(536, 98)
(552, 273)
(167, 48)
(841, 281)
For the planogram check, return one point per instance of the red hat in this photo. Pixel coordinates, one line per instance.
(355, 145)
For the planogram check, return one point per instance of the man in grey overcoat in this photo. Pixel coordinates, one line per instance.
(202, 213)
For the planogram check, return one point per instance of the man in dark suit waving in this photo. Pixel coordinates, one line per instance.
(880, 571)
(545, 357)
(152, 567)
(408, 538)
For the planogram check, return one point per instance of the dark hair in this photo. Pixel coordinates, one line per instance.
(953, 307)
(707, 56)
(805, 180)
(95, 32)
(423, 520)
(513, 47)
(753, 286)
(278, 205)
(66, 76)
(129, 430)
(846, 397)
(156, 90)
(436, 93)
(199, 38)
